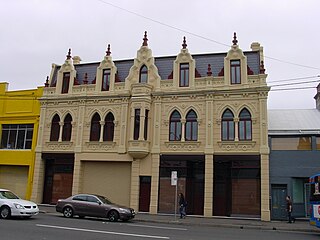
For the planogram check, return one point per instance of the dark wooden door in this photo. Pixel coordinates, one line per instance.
(144, 195)
(222, 189)
(278, 202)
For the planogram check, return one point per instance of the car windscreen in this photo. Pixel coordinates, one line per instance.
(104, 200)
(8, 195)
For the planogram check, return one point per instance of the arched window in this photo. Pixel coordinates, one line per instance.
(143, 77)
(67, 128)
(175, 126)
(191, 126)
(227, 126)
(108, 131)
(55, 128)
(95, 128)
(245, 125)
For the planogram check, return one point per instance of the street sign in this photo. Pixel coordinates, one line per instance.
(174, 178)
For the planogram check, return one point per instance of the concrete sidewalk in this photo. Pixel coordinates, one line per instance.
(301, 225)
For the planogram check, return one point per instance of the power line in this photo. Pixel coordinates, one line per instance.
(288, 89)
(294, 79)
(196, 35)
(290, 84)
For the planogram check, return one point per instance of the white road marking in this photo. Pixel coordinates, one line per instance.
(151, 226)
(104, 232)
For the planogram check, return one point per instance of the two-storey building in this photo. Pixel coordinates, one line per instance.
(119, 128)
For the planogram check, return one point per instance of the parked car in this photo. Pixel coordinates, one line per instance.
(13, 206)
(93, 205)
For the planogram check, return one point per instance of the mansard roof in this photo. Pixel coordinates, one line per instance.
(164, 65)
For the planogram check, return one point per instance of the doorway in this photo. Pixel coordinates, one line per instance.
(144, 194)
(278, 202)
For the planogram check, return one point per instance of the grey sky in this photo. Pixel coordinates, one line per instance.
(36, 33)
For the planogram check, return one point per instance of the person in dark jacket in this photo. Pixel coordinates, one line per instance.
(289, 210)
(182, 206)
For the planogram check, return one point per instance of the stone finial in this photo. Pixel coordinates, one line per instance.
(69, 54)
(209, 73)
(184, 43)
(235, 41)
(85, 81)
(47, 82)
(262, 69)
(108, 52)
(145, 39)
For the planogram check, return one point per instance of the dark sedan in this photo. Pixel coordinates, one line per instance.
(93, 205)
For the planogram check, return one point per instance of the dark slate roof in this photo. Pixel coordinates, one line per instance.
(165, 66)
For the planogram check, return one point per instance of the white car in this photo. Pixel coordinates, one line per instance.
(13, 206)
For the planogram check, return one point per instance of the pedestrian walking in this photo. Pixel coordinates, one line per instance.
(289, 210)
(182, 206)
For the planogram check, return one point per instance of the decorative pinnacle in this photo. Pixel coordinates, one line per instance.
(145, 39)
(108, 53)
(235, 41)
(85, 81)
(69, 54)
(209, 73)
(184, 43)
(47, 82)
(262, 69)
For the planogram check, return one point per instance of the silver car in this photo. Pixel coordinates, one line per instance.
(13, 206)
(93, 205)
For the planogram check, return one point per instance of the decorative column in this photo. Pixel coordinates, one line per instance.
(142, 121)
(134, 196)
(183, 130)
(154, 183)
(60, 131)
(102, 123)
(236, 127)
(208, 185)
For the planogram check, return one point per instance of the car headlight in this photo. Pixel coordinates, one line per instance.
(18, 206)
(124, 210)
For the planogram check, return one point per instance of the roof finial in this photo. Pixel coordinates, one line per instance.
(85, 81)
(108, 53)
(262, 69)
(235, 41)
(145, 39)
(209, 73)
(47, 82)
(69, 54)
(184, 44)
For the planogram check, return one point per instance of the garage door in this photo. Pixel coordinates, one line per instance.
(14, 178)
(110, 179)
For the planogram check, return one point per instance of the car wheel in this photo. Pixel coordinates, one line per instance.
(113, 216)
(5, 212)
(68, 212)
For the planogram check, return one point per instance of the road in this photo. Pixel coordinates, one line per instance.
(56, 227)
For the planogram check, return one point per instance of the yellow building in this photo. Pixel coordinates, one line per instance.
(19, 121)
(120, 128)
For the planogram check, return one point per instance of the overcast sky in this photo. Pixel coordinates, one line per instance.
(36, 33)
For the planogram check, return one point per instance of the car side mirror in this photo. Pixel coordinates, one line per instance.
(99, 202)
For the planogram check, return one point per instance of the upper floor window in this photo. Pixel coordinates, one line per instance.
(136, 129)
(146, 117)
(191, 126)
(291, 143)
(184, 75)
(16, 136)
(245, 125)
(67, 128)
(65, 82)
(108, 131)
(227, 126)
(143, 76)
(235, 73)
(95, 128)
(175, 126)
(55, 128)
(106, 80)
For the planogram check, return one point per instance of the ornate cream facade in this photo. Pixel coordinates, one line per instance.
(133, 167)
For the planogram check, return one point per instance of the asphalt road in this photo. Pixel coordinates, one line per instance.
(56, 227)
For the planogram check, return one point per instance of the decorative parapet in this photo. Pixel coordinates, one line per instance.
(59, 146)
(138, 148)
(100, 146)
(240, 146)
(141, 89)
(189, 146)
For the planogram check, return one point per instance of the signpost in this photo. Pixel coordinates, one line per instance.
(174, 181)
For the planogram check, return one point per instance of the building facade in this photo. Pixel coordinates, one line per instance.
(19, 120)
(119, 128)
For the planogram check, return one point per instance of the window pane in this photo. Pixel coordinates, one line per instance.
(188, 131)
(178, 132)
(241, 130)
(20, 140)
(231, 131)
(4, 138)
(12, 139)
(294, 143)
(248, 130)
(298, 190)
(224, 131)
(195, 131)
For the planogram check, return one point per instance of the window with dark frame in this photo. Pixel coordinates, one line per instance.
(55, 128)
(67, 128)
(136, 124)
(108, 131)
(245, 125)
(106, 75)
(191, 126)
(235, 73)
(146, 125)
(65, 82)
(184, 75)
(95, 128)
(143, 76)
(175, 126)
(227, 126)
(16, 136)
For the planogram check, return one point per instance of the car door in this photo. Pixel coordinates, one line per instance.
(94, 207)
(79, 203)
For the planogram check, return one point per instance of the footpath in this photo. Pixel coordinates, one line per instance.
(300, 225)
